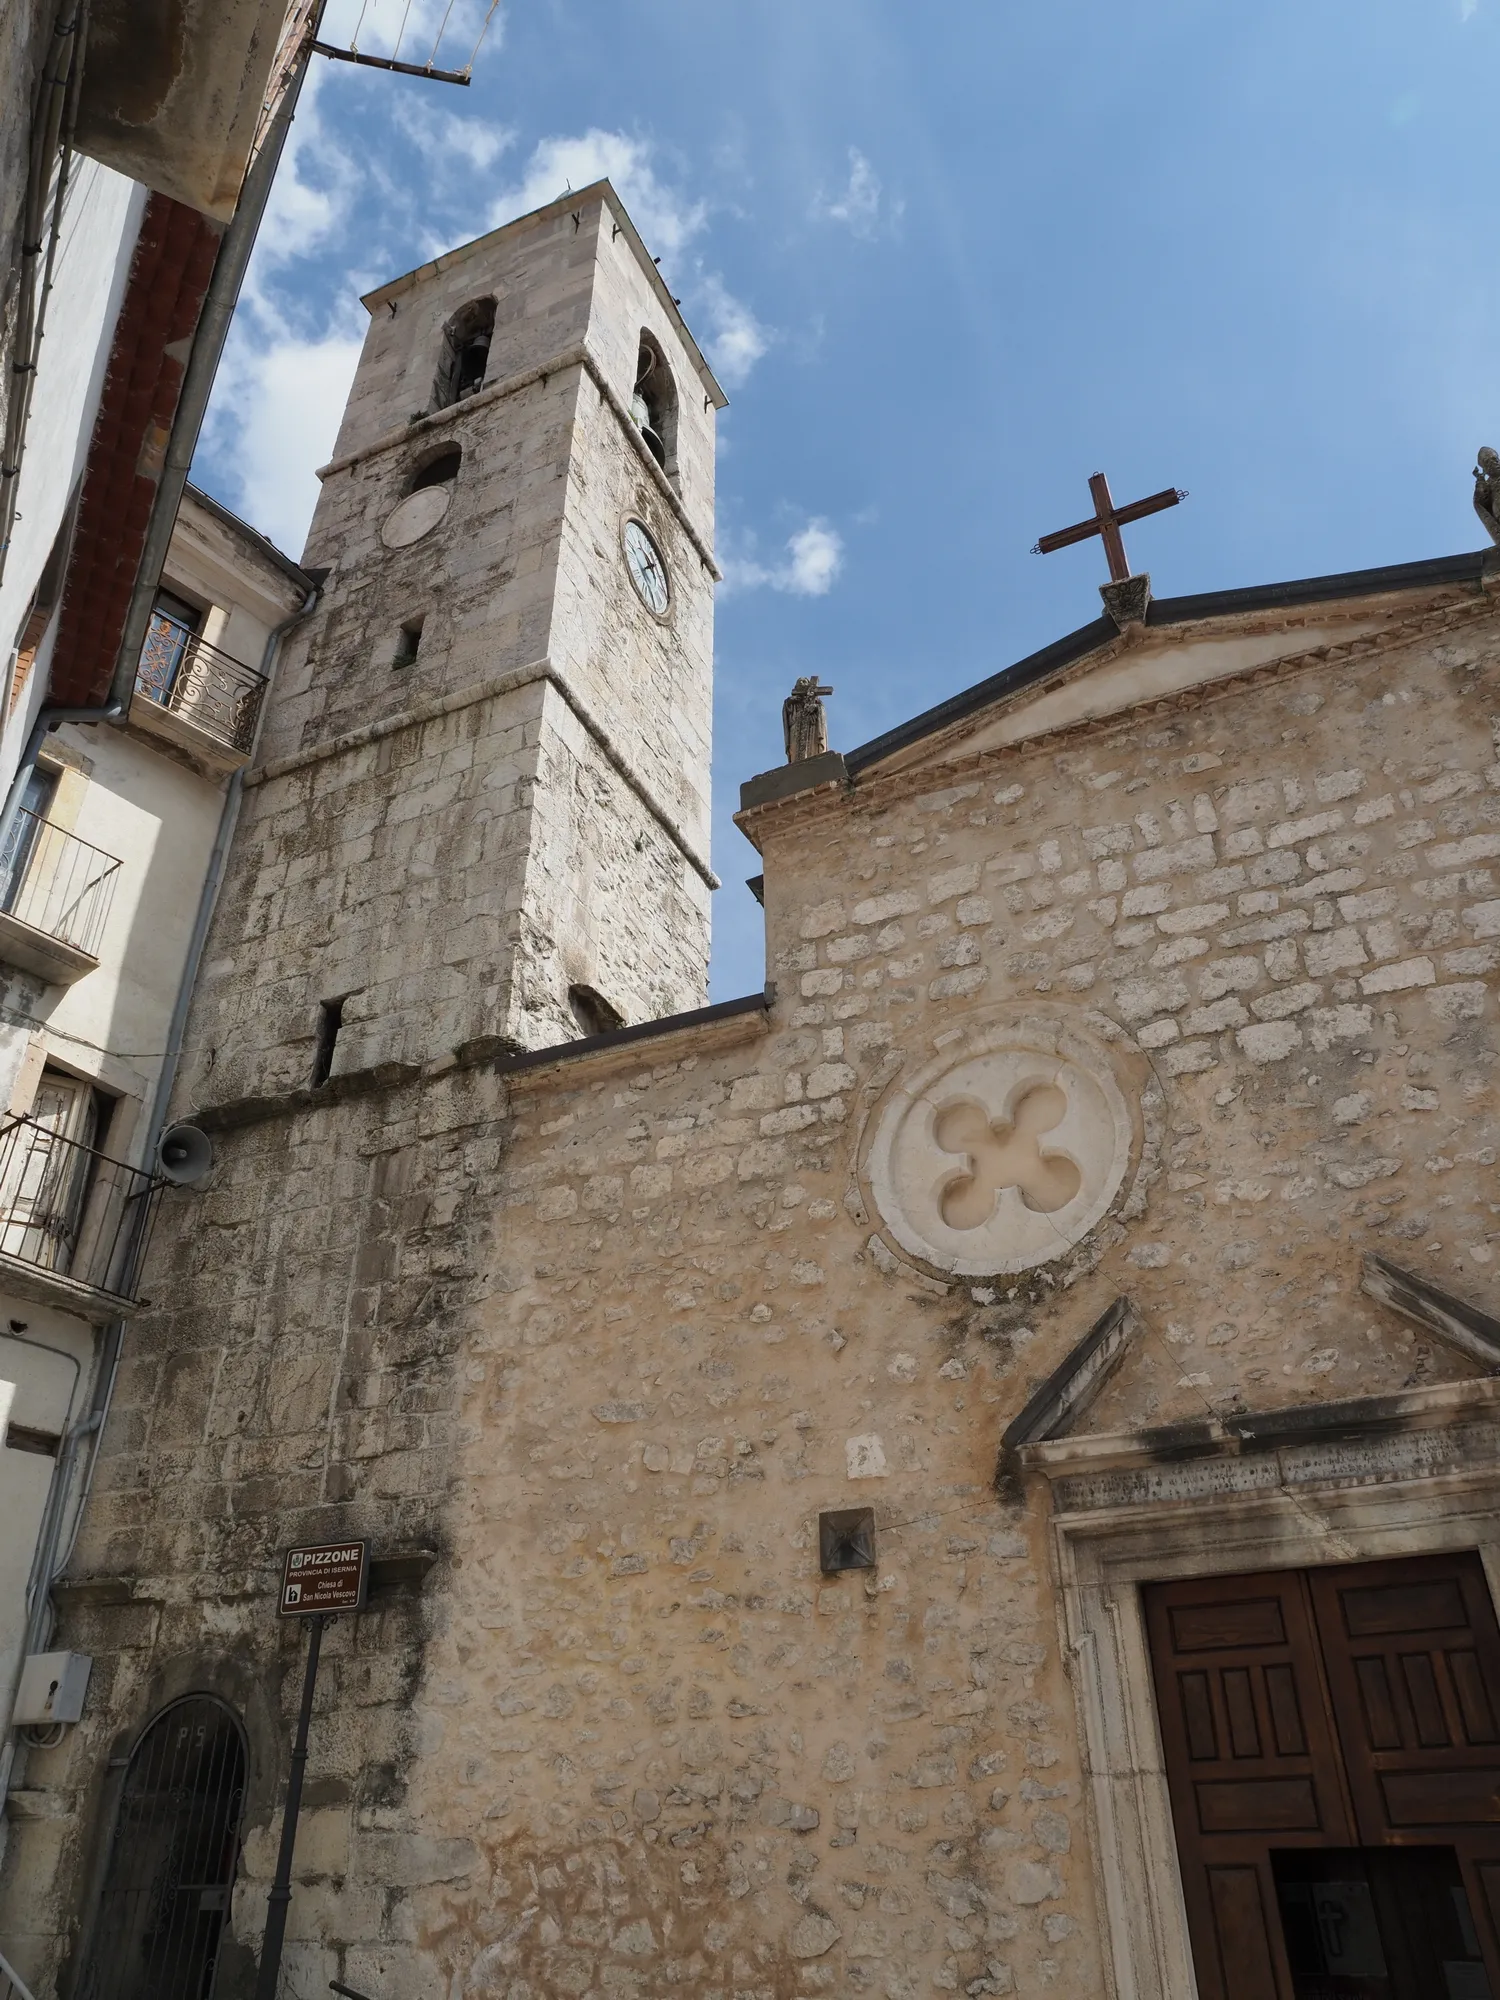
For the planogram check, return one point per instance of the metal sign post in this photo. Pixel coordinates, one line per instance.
(316, 1584)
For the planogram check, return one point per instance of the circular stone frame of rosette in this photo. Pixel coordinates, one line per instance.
(415, 516)
(995, 1064)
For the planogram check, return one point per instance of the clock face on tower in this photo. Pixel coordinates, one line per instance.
(647, 566)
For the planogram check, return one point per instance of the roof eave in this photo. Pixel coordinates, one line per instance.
(1471, 569)
(602, 191)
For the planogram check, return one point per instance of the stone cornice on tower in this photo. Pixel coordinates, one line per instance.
(602, 191)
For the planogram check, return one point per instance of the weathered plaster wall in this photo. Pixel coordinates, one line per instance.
(98, 238)
(42, 1390)
(607, 1336)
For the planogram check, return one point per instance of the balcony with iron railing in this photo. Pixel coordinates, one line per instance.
(74, 1223)
(196, 696)
(55, 897)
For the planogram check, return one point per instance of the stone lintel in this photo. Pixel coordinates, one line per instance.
(404, 1570)
(99, 1590)
(1263, 1445)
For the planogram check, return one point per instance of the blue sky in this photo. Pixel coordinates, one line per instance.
(949, 261)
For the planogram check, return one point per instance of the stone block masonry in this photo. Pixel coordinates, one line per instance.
(585, 1340)
(607, 1335)
(450, 841)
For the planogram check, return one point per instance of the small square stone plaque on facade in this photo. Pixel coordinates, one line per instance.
(846, 1540)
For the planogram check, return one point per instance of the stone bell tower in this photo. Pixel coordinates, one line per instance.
(481, 801)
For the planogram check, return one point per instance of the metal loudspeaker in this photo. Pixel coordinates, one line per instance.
(184, 1156)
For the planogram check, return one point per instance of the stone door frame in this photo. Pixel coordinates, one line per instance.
(1416, 1474)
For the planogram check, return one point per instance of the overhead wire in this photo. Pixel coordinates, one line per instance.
(401, 33)
(484, 30)
(442, 30)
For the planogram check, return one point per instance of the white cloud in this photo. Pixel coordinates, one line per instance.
(814, 557)
(1467, 9)
(316, 183)
(858, 205)
(668, 222)
(282, 402)
(817, 555)
(734, 338)
(448, 141)
(344, 216)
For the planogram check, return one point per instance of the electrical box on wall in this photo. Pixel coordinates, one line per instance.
(52, 1689)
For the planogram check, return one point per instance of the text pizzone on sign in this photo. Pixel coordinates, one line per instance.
(329, 1576)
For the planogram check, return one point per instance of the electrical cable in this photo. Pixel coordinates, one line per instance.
(401, 32)
(442, 30)
(482, 33)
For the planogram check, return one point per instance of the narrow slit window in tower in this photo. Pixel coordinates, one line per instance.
(408, 643)
(330, 1020)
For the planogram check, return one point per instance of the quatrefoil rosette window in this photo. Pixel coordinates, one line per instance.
(1004, 1151)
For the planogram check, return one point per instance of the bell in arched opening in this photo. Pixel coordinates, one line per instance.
(654, 405)
(465, 353)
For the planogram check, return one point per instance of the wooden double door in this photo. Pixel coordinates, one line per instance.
(1332, 1743)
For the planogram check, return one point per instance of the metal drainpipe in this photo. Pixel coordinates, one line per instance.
(203, 361)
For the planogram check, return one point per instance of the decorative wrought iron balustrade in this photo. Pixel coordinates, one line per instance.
(56, 883)
(71, 1211)
(206, 688)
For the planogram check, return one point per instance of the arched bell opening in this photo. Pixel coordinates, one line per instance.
(654, 405)
(465, 358)
(438, 468)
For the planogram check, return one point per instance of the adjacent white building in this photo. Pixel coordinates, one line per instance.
(107, 874)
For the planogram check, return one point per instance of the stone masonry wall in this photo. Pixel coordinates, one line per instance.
(436, 844)
(451, 879)
(339, 874)
(608, 1335)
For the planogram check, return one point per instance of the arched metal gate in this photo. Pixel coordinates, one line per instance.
(172, 1859)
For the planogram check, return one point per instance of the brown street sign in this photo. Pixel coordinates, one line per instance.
(330, 1576)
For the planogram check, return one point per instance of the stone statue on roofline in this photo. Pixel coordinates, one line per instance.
(803, 723)
(1487, 490)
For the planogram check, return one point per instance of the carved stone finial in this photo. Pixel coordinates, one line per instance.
(1128, 600)
(804, 726)
(1487, 491)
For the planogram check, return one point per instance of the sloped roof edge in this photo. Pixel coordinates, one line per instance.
(602, 190)
(1431, 573)
(261, 544)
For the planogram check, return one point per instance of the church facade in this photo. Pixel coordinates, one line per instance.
(973, 1470)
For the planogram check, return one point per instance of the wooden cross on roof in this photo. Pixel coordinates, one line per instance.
(1106, 522)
